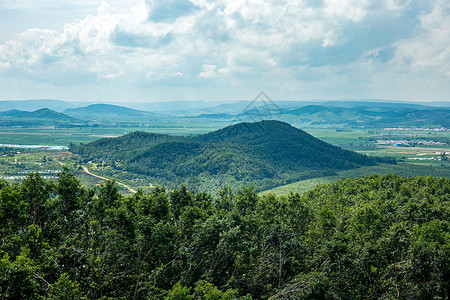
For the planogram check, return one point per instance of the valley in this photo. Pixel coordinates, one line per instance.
(417, 146)
(224, 150)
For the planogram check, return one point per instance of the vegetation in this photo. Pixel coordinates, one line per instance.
(266, 154)
(401, 169)
(372, 237)
(366, 116)
(42, 116)
(106, 112)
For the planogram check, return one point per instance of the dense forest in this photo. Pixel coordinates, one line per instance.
(365, 238)
(265, 154)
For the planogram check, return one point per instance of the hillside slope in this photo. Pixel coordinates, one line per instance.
(43, 116)
(105, 111)
(266, 153)
(123, 147)
(371, 116)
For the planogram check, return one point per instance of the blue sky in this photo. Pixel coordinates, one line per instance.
(153, 50)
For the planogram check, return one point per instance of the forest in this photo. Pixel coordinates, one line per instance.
(364, 238)
(265, 154)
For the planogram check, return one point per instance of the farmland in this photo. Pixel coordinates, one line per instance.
(415, 160)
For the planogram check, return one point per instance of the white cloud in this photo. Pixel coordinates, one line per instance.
(209, 71)
(431, 47)
(353, 10)
(46, 4)
(148, 43)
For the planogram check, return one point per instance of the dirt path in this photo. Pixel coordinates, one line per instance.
(86, 170)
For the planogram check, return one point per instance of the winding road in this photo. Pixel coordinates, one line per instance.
(86, 170)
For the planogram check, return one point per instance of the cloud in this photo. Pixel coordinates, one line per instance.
(209, 71)
(431, 46)
(169, 10)
(287, 45)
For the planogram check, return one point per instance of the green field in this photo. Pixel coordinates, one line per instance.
(65, 136)
(402, 169)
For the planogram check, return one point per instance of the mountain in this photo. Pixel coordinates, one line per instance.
(105, 112)
(266, 153)
(42, 116)
(12, 113)
(124, 147)
(46, 113)
(283, 145)
(213, 116)
(31, 105)
(341, 113)
(169, 105)
(375, 116)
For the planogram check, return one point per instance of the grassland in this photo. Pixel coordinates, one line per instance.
(402, 169)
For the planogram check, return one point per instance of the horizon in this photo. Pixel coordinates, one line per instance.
(225, 101)
(225, 51)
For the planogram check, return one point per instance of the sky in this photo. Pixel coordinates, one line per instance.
(218, 50)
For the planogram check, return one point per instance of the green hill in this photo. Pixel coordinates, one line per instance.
(266, 154)
(12, 113)
(124, 147)
(106, 111)
(364, 115)
(45, 113)
(43, 116)
(31, 105)
(370, 115)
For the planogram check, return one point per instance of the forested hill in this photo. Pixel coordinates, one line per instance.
(106, 111)
(266, 153)
(124, 147)
(41, 116)
(377, 237)
(284, 145)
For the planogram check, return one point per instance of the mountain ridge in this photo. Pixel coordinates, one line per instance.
(102, 110)
(43, 115)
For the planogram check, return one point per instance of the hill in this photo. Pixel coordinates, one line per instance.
(106, 111)
(42, 116)
(266, 153)
(359, 114)
(31, 105)
(124, 147)
(375, 116)
(46, 113)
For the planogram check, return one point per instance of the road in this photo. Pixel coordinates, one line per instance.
(86, 170)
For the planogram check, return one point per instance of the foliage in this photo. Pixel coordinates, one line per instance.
(40, 117)
(367, 116)
(265, 154)
(371, 237)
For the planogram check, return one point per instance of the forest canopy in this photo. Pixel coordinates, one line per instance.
(372, 237)
(265, 154)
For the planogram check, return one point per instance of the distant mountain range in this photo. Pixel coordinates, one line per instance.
(370, 116)
(32, 105)
(360, 116)
(42, 116)
(368, 113)
(106, 111)
(266, 153)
